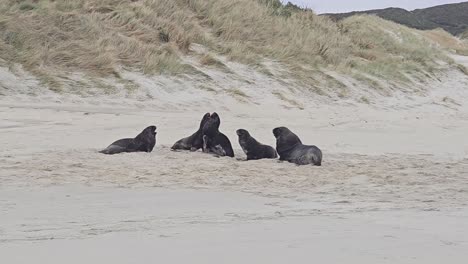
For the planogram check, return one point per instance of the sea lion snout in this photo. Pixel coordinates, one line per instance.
(153, 129)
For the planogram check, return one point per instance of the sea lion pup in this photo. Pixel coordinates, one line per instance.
(215, 141)
(254, 149)
(144, 142)
(195, 141)
(290, 148)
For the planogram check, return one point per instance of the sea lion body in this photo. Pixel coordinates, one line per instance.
(195, 141)
(213, 140)
(143, 142)
(304, 155)
(291, 149)
(254, 149)
(209, 146)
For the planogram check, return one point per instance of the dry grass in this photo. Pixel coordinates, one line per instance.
(95, 36)
(365, 100)
(463, 69)
(99, 37)
(292, 102)
(388, 50)
(208, 59)
(447, 41)
(464, 35)
(237, 93)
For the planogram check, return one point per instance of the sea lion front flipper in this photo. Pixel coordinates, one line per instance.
(205, 144)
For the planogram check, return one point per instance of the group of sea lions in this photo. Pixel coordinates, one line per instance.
(208, 138)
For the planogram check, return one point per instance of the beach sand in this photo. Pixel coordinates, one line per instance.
(393, 187)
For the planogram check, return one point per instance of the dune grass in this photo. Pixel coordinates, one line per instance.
(447, 41)
(389, 50)
(100, 37)
(464, 35)
(94, 36)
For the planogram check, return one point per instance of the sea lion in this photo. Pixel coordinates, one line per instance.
(215, 141)
(290, 148)
(210, 147)
(144, 142)
(195, 141)
(254, 149)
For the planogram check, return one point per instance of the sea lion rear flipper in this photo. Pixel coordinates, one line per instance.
(113, 149)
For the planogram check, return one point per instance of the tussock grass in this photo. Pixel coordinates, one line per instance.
(99, 37)
(238, 93)
(95, 36)
(464, 35)
(210, 60)
(388, 50)
(290, 101)
(365, 100)
(447, 41)
(463, 69)
(207, 59)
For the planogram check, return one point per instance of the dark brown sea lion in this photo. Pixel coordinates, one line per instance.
(290, 148)
(254, 149)
(195, 141)
(144, 142)
(214, 141)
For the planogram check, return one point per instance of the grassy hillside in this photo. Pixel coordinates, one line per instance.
(464, 35)
(98, 38)
(451, 17)
(398, 15)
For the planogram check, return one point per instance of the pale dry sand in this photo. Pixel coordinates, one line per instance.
(393, 187)
(76, 224)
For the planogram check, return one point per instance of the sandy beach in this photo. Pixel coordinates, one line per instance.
(382, 93)
(393, 187)
(77, 224)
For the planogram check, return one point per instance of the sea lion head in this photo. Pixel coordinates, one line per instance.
(243, 134)
(211, 126)
(277, 132)
(147, 132)
(285, 139)
(148, 136)
(204, 120)
(215, 119)
(151, 130)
